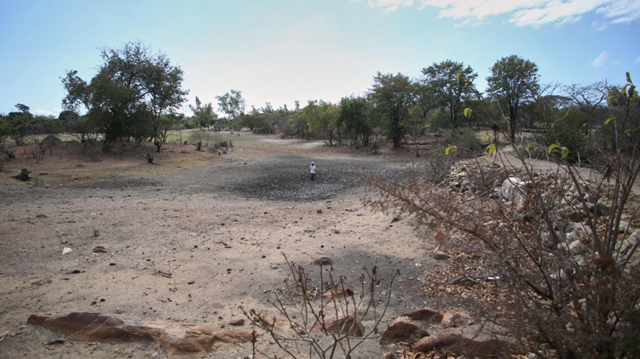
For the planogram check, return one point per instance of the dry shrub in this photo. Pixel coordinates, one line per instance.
(562, 266)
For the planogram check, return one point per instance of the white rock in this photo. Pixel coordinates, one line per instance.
(510, 190)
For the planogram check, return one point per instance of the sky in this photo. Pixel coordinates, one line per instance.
(280, 51)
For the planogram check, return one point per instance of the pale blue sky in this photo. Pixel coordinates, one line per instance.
(286, 50)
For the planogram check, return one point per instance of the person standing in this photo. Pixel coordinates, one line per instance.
(312, 171)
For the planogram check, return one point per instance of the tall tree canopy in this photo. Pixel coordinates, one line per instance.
(232, 104)
(450, 83)
(393, 96)
(354, 118)
(132, 90)
(203, 114)
(515, 80)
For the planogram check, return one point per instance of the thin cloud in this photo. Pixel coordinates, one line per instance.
(598, 26)
(638, 60)
(39, 111)
(601, 59)
(389, 5)
(526, 12)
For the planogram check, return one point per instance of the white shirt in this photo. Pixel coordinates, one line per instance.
(312, 169)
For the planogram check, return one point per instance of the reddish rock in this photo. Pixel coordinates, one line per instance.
(178, 339)
(347, 324)
(472, 342)
(274, 321)
(237, 322)
(439, 340)
(454, 319)
(426, 314)
(402, 329)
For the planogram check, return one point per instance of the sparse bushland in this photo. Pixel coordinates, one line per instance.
(560, 248)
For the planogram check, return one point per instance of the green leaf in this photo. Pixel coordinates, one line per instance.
(491, 148)
(610, 99)
(624, 90)
(610, 119)
(527, 148)
(458, 170)
(632, 91)
(628, 132)
(553, 147)
(629, 77)
(565, 152)
(537, 148)
(450, 150)
(485, 136)
(467, 112)
(458, 76)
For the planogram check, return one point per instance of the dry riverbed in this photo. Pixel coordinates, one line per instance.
(219, 224)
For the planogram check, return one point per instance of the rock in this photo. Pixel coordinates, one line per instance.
(512, 189)
(323, 261)
(336, 231)
(572, 236)
(178, 339)
(237, 322)
(575, 216)
(348, 325)
(625, 228)
(454, 319)
(439, 255)
(339, 293)
(273, 266)
(319, 211)
(441, 339)
(99, 249)
(67, 250)
(273, 321)
(191, 282)
(402, 329)
(520, 207)
(426, 314)
(472, 342)
(577, 247)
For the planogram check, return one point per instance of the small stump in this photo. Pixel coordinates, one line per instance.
(23, 175)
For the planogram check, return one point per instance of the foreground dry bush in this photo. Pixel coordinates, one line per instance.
(552, 255)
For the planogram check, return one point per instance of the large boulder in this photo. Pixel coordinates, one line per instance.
(178, 339)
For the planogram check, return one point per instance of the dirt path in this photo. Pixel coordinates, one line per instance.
(220, 228)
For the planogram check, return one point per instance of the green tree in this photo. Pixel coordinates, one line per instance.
(232, 104)
(515, 80)
(353, 117)
(131, 91)
(18, 124)
(393, 96)
(204, 115)
(322, 118)
(450, 83)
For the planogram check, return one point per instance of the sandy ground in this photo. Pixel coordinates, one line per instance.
(219, 223)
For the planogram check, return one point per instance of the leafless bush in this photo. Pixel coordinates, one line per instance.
(566, 258)
(328, 325)
(438, 165)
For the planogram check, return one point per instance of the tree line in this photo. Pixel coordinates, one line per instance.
(137, 93)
